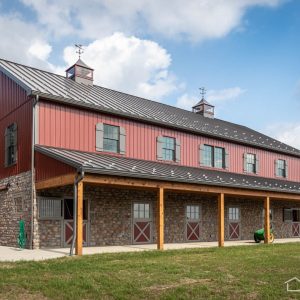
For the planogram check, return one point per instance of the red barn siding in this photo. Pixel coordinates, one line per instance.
(67, 127)
(47, 167)
(12, 95)
(23, 117)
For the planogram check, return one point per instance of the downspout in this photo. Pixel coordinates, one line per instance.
(33, 198)
(78, 178)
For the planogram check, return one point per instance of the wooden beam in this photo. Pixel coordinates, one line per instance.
(267, 220)
(160, 219)
(55, 182)
(176, 186)
(221, 221)
(79, 219)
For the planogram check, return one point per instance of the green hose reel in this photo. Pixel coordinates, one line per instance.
(22, 235)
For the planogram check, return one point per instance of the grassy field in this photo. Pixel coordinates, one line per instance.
(233, 273)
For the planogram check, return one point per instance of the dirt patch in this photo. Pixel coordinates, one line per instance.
(16, 293)
(183, 282)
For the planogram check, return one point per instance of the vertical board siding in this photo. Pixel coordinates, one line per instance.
(76, 130)
(12, 95)
(47, 167)
(22, 117)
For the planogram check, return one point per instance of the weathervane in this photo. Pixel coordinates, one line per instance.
(80, 49)
(202, 92)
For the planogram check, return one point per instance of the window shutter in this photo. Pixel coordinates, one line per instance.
(287, 215)
(99, 137)
(227, 161)
(7, 137)
(201, 155)
(286, 169)
(256, 165)
(245, 162)
(159, 146)
(276, 168)
(177, 151)
(15, 141)
(122, 140)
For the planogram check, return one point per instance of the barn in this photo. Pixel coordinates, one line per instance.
(84, 165)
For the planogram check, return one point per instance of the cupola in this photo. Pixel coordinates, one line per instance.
(203, 107)
(80, 72)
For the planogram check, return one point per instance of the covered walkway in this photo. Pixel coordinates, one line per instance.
(15, 254)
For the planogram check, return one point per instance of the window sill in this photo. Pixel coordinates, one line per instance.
(11, 165)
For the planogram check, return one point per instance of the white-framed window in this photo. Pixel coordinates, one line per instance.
(233, 213)
(193, 212)
(141, 210)
(281, 168)
(213, 156)
(111, 138)
(50, 208)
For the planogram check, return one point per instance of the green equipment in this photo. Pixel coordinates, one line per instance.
(22, 235)
(259, 235)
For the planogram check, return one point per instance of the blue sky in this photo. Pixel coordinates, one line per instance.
(246, 53)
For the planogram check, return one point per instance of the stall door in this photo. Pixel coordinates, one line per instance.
(142, 223)
(68, 222)
(234, 223)
(296, 222)
(193, 223)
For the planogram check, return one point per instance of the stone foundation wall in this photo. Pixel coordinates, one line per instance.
(111, 217)
(15, 204)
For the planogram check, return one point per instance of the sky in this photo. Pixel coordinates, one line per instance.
(246, 53)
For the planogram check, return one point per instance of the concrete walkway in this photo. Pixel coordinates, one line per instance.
(15, 254)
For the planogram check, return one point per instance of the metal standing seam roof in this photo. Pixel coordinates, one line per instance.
(62, 89)
(128, 167)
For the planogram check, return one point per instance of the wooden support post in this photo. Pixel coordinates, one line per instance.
(221, 219)
(267, 220)
(79, 219)
(160, 219)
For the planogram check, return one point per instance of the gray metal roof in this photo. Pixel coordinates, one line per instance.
(62, 89)
(121, 166)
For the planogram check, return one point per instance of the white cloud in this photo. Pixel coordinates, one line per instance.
(40, 50)
(288, 133)
(194, 19)
(128, 64)
(220, 96)
(215, 97)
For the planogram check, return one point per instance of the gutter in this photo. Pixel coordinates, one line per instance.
(78, 178)
(33, 194)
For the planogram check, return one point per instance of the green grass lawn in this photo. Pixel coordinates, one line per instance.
(232, 272)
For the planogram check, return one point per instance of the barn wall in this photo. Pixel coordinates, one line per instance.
(15, 108)
(71, 128)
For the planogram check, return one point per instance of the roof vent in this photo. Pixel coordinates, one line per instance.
(80, 72)
(203, 107)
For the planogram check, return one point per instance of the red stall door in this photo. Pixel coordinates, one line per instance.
(234, 223)
(142, 223)
(193, 232)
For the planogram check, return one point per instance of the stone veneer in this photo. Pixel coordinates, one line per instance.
(110, 216)
(15, 203)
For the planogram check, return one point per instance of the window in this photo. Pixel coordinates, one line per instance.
(141, 210)
(193, 212)
(250, 163)
(50, 208)
(291, 215)
(18, 204)
(213, 157)
(233, 213)
(111, 138)
(168, 148)
(11, 145)
(281, 168)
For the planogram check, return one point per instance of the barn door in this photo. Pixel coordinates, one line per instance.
(296, 229)
(234, 223)
(68, 224)
(142, 223)
(296, 222)
(193, 223)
